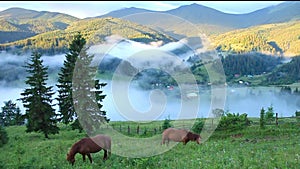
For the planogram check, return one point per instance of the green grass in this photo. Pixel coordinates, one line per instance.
(272, 147)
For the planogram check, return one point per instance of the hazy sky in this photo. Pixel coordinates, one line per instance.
(83, 9)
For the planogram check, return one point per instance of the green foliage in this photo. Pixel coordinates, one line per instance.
(166, 124)
(249, 64)
(197, 127)
(233, 122)
(76, 125)
(269, 116)
(3, 136)
(87, 93)
(269, 38)
(255, 149)
(262, 120)
(17, 23)
(287, 73)
(297, 114)
(218, 112)
(37, 99)
(65, 97)
(94, 30)
(154, 78)
(10, 114)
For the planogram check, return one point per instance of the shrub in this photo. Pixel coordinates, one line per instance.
(269, 116)
(262, 118)
(233, 122)
(197, 127)
(297, 113)
(166, 124)
(3, 136)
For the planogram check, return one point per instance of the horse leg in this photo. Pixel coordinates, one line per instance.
(105, 155)
(109, 152)
(90, 157)
(83, 157)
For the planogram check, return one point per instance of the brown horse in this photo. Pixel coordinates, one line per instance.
(89, 145)
(179, 135)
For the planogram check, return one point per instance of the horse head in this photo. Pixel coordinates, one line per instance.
(194, 137)
(70, 159)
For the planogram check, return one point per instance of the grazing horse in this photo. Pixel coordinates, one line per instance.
(179, 135)
(89, 145)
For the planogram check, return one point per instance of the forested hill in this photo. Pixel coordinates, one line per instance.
(276, 39)
(19, 23)
(93, 29)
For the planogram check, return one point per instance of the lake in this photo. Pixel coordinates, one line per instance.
(159, 105)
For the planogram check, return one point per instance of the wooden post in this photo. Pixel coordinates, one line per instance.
(138, 129)
(276, 119)
(154, 130)
(120, 128)
(128, 129)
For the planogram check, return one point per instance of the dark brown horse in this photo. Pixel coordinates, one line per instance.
(89, 145)
(179, 135)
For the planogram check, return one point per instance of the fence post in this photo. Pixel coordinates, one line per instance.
(138, 129)
(276, 119)
(120, 128)
(128, 129)
(154, 130)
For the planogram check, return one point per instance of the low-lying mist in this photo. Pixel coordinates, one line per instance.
(161, 103)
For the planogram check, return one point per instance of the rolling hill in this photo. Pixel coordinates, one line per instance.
(93, 29)
(19, 23)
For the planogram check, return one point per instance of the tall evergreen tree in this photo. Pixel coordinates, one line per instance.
(87, 94)
(10, 114)
(37, 99)
(65, 97)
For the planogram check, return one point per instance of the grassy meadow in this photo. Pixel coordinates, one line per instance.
(271, 147)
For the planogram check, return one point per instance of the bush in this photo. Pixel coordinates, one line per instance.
(269, 116)
(262, 118)
(166, 124)
(197, 127)
(297, 113)
(232, 122)
(3, 136)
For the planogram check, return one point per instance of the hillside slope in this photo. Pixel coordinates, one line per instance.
(18, 21)
(94, 30)
(277, 39)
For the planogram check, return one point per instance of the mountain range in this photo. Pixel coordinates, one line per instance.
(28, 29)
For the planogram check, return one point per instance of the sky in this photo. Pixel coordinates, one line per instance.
(83, 9)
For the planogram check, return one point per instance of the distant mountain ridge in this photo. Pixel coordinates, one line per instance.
(23, 28)
(199, 14)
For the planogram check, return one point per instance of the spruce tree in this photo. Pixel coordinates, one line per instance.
(10, 114)
(37, 99)
(65, 97)
(87, 93)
